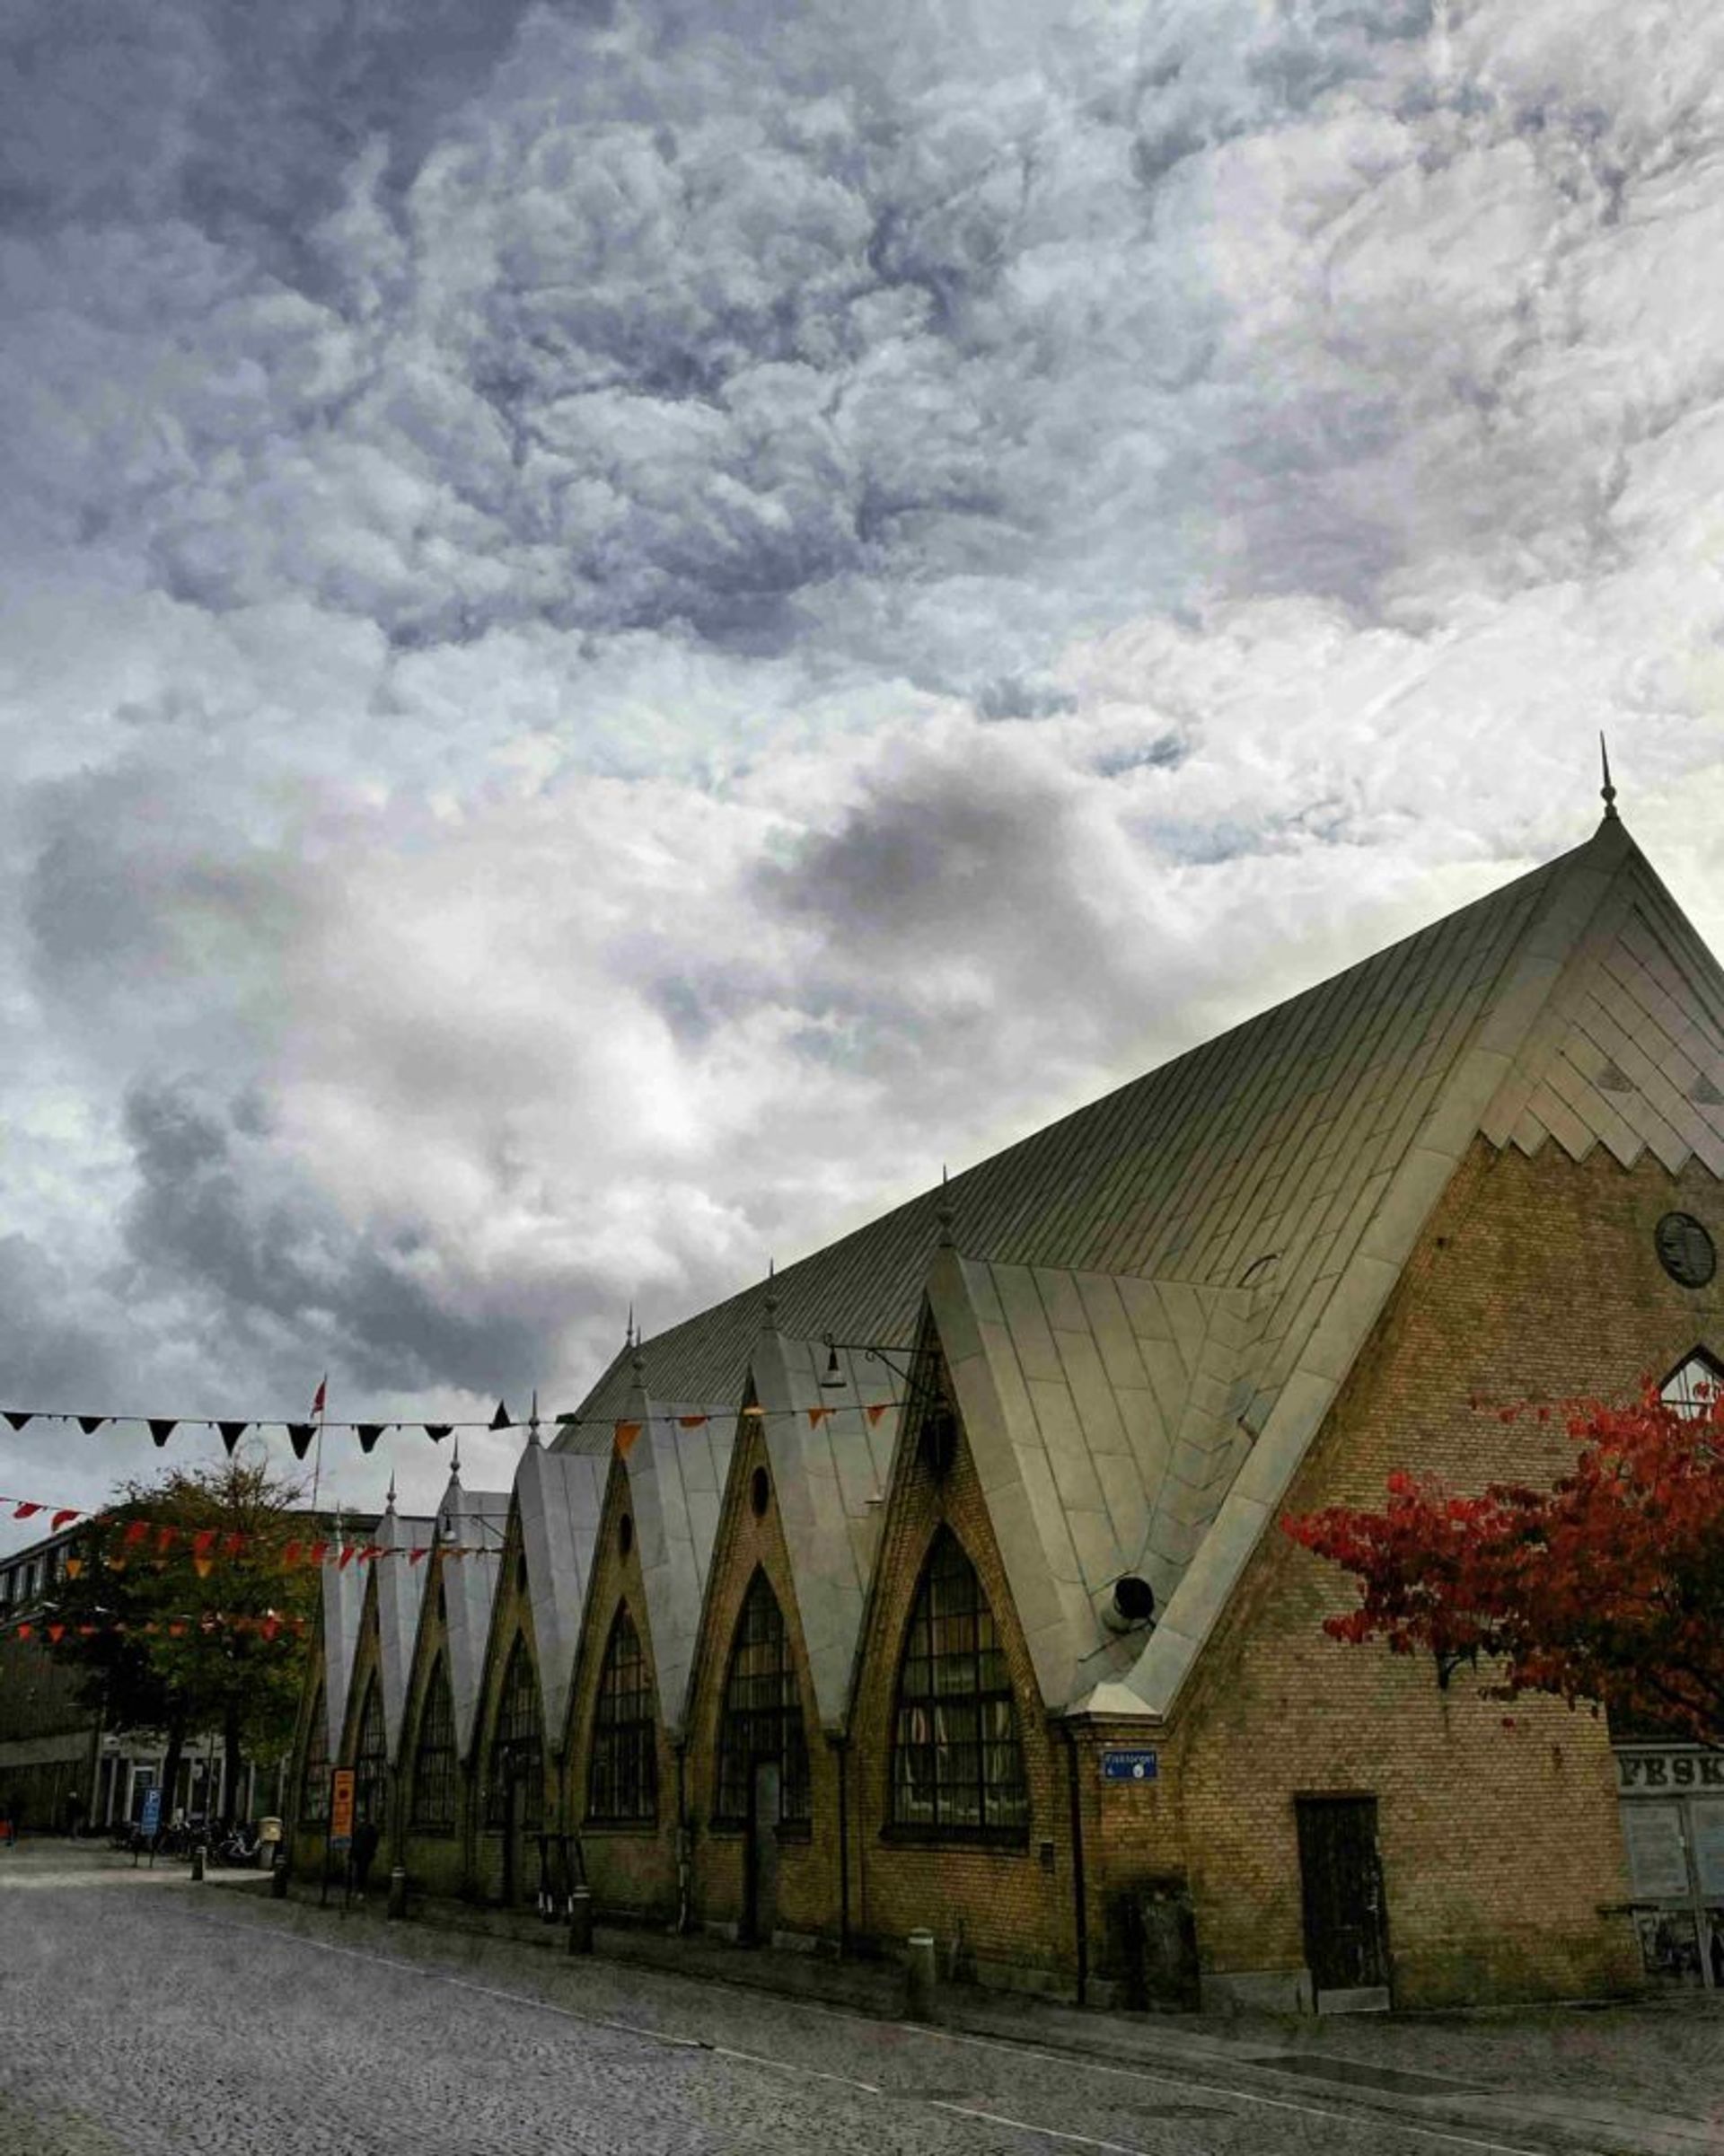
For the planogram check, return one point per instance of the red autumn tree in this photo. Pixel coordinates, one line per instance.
(1608, 1586)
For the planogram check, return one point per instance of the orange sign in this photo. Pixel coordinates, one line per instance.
(341, 1807)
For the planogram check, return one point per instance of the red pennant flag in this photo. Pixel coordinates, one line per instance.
(26, 1632)
(165, 1538)
(176, 1631)
(877, 1410)
(63, 1517)
(692, 1421)
(414, 1557)
(55, 1633)
(627, 1432)
(817, 1415)
(137, 1531)
(346, 1559)
(203, 1541)
(24, 1510)
(270, 1625)
(318, 1552)
(234, 1547)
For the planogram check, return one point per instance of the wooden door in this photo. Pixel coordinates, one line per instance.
(761, 1913)
(1346, 1934)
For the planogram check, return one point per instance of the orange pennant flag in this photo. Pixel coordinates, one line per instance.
(878, 1408)
(627, 1432)
(73, 1566)
(176, 1631)
(165, 1538)
(817, 1415)
(317, 1552)
(291, 1553)
(692, 1421)
(57, 1632)
(203, 1566)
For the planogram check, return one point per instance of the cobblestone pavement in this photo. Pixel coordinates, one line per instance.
(145, 2016)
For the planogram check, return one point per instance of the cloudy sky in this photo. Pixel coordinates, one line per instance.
(624, 626)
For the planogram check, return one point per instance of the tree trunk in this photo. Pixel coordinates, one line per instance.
(171, 1765)
(236, 1761)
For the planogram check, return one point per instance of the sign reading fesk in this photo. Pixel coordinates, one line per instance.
(341, 1808)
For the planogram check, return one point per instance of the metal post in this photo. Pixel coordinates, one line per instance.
(580, 1920)
(398, 1891)
(198, 1861)
(278, 1875)
(919, 1976)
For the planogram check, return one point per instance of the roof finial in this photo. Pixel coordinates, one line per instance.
(772, 1295)
(388, 1502)
(1608, 789)
(629, 1333)
(533, 1423)
(943, 1211)
(454, 1465)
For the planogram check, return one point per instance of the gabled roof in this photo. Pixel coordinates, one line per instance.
(559, 1496)
(1270, 1183)
(400, 1594)
(344, 1602)
(676, 1463)
(830, 1459)
(471, 1521)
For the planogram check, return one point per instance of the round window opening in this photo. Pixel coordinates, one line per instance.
(625, 1534)
(1686, 1250)
(760, 1492)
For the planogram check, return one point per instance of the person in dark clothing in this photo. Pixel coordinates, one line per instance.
(365, 1838)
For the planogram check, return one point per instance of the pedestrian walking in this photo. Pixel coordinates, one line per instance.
(365, 1839)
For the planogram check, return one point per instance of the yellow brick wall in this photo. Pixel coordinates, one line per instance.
(1498, 1823)
(436, 1861)
(511, 1617)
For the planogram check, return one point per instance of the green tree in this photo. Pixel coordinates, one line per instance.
(181, 1615)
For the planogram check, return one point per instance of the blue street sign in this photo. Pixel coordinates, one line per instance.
(1129, 1767)
(150, 1824)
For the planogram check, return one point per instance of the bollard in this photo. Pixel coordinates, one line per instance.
(278, 1876)
(198, 1862)
(580, 1920)
(919, 1976)
(398, 1892)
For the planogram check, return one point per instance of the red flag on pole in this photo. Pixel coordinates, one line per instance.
(319, 1399)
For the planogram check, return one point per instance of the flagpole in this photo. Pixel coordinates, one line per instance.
(317, 1457)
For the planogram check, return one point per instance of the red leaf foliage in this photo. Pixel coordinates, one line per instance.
(1608, 1586)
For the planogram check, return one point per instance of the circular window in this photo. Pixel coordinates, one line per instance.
(1686, 1250)
(626, 1534)
(760, 1492)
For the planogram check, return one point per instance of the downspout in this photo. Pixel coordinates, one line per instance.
(1080, 1903)
(842, 1746)
(684, 1854)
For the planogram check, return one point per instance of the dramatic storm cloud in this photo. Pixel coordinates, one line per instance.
(622, 627)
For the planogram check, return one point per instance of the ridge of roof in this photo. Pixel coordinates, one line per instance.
(559, 1498)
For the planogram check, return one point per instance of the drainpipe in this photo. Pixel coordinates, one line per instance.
(1080, 1905)
(840, 1745)
(685, 1866)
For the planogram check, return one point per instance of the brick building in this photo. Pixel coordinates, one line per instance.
(956, 1600)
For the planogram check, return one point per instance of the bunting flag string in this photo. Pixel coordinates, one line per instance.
(266, 1626)
(159, 1540)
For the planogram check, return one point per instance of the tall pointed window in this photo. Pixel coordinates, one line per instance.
(763, 1712)
(434, 1755)
(517, 1747)
(622, 1775)
(315, 1777)
(371, 1760)
(1693, 1384)
(957, 1766)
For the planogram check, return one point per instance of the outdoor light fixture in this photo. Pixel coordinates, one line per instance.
(1131, 1603)
(902, 1362)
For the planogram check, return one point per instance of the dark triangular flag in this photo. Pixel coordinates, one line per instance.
(18, 1420)
(232, 1432)
(438, 1431)
(500, 1420)
(300, 1436)
(369, 1433)
(90, 1424)
(161, 1429)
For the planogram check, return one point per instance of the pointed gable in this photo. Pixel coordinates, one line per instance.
(471, 1521)
(830, 1459)
(400, 1591)
(559, 1496)
(344, 1602)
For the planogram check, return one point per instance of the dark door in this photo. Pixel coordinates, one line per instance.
(1346, 1938)
(511, 1828)
(761, 1913)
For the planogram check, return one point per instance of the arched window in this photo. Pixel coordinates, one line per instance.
(1693, 1384)
(315, 1778)
(763, 1712)
(517, 1747)
(957, 1766)
(622, 1774)
(371, 1760)
(434, 1755)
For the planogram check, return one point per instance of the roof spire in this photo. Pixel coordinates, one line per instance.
(388, 1502)
(1607, 790)
(943, 1211)
(772, 1295)
(533, 1423)
(629, 1333)
(454, 1465)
